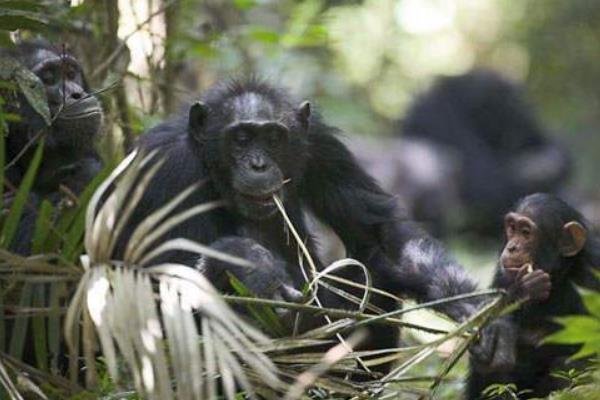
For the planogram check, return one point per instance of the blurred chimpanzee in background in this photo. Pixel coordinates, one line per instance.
(470, 147)
(503, 152)
(70, 160)
(543, 233)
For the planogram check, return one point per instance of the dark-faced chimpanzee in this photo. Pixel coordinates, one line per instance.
(485, 123)
(544, 234)
(70, 160)
(247, 141)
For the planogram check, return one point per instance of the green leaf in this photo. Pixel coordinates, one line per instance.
(19, 329)
(13, 19)
(577, 329)
(58, 294)
(24, 5)
(591, 300)
(43, 223)
(244, 4)
(263, 314)
(264, 35)
(14, 216)
(39, 328)
(29, 84)
(2, 152)
(73, 243)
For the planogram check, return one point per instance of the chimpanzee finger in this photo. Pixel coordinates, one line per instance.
(537, 278)
(291, 294)
(522, 272)
(537, 285)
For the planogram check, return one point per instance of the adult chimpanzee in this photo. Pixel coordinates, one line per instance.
(70, 160)
(545, 234)
(247, 141)
(484, 122)
(69, 156)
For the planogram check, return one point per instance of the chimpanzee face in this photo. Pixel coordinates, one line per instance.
(248, 143)
(521, 240)
(77, 114)
(540, 239)
(256, 153)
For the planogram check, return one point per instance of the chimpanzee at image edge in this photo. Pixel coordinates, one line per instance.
(548, 234)
(70, 159)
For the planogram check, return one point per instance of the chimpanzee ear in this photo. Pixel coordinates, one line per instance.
(197, 118)
(303, 114)
(572, 239)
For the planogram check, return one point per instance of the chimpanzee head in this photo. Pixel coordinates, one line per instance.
(76, 114)
(253, 140)
(543, 231)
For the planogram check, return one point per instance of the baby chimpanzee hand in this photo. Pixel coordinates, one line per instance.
(495, 349)
(529, 284)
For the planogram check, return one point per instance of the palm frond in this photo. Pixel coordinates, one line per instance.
(150, 315)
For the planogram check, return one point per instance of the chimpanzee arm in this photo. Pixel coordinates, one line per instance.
(402, 258)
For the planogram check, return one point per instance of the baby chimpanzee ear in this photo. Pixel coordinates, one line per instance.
(572, 239)
(197, 118)
(303, 114)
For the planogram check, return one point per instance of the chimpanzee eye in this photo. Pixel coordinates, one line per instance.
(275, 137)
(71, 74)
(242, 138)
(48, 76)
(525, 231)
(510, 228)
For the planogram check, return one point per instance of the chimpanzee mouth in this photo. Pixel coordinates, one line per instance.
(262, 199)
(517, 264)
(79, 115)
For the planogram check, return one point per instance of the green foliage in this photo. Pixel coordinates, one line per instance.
(264, 314)
(28, 83)
(10, 225)
(584, 329)
(22, 15)
(498, 390)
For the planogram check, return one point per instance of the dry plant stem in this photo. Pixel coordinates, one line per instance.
(8, 384)
(38, 375)
(359, 286)
(480, 318)
(335, 312)
(26, 147)
(313, 268)
(430, 304)
(329, 359)
(89, 351)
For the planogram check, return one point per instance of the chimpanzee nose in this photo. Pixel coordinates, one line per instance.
(258, 164)
(512, 248)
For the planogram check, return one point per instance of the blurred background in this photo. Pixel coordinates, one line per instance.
(364, 65)
(361, 62)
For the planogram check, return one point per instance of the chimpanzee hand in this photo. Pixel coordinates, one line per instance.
(496, 348)
(267, 281)
(265, 276)
(527, 284)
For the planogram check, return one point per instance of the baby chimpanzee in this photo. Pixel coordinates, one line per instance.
(543, 233)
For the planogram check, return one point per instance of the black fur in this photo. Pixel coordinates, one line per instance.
(70, 159)
(502, 150)
(530, 363)
(324, 178)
